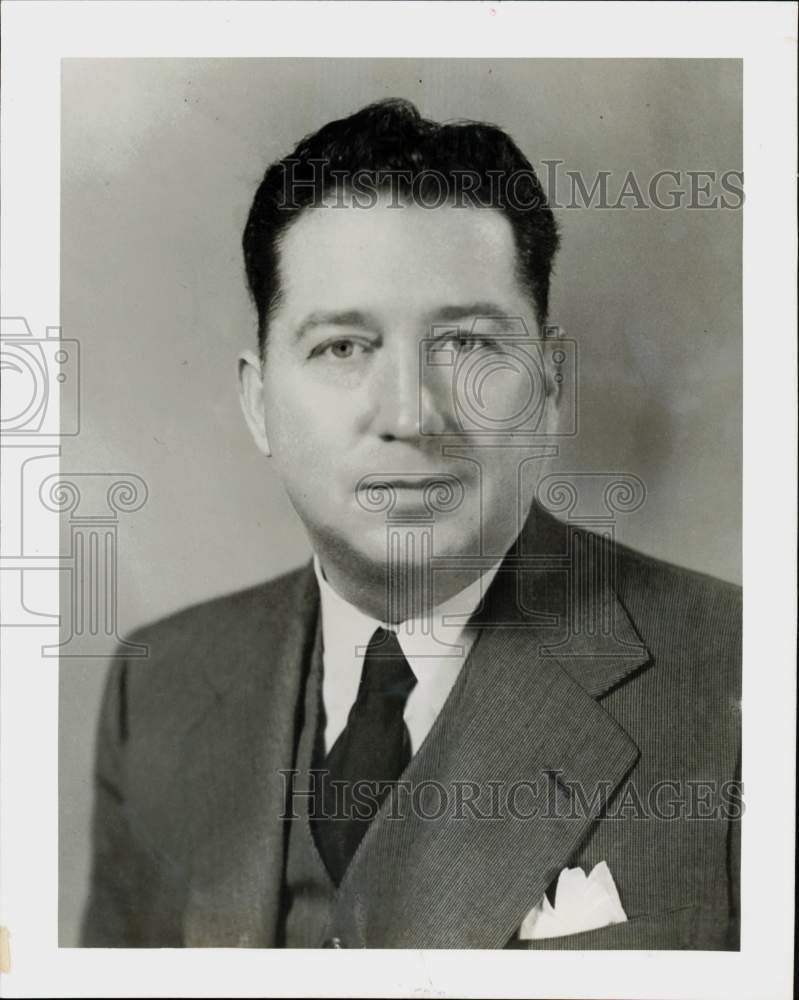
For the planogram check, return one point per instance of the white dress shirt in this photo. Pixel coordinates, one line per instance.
(435, 647)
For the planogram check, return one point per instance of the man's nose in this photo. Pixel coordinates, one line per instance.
(407, 406)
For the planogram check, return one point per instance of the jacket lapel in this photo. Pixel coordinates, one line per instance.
(233, 760)
(524, 739)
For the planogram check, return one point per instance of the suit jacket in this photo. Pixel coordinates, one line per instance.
(600, 705)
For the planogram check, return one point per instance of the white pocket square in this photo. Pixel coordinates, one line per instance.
(582, 903)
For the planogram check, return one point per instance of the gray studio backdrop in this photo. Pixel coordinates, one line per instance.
(160, 160)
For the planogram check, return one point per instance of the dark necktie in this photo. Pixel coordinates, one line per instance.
(373, 748)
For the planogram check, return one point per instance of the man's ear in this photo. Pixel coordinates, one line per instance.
(554, 377)
(251, 397)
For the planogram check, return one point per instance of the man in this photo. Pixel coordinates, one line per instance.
(465, 723)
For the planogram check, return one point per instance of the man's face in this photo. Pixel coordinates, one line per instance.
(352, 387)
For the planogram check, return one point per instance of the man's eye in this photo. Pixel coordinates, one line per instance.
(466, 344)
(341, 350)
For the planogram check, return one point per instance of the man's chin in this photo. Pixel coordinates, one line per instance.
(409, 544)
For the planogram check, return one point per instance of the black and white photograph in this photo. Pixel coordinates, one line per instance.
(376, 504)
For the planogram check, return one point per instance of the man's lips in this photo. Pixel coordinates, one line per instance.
(440, 492)
(406, 484)
(421, 482)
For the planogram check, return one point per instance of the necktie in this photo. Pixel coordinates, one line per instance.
(373, 749)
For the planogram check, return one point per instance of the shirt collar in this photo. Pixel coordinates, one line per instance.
(345, 627)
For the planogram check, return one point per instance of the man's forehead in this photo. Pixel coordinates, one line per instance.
(425, 256)
(333, 219)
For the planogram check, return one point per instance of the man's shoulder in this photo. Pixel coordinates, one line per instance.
(213, 643)
(689, 621)
(650, 588)
(673, 589)
(645, 580)
(224, 638)
(262, 607)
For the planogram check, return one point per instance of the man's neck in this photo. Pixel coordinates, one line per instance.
(415, 592)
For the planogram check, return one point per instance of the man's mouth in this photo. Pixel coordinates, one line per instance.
(422, 481)
(439, 491)
(406, 484)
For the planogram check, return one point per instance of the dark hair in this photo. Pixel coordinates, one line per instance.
(389, 145)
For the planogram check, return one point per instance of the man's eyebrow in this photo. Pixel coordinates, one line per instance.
(487, 310)
(346, 317)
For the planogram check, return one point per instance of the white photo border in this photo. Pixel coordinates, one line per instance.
(36, 37)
